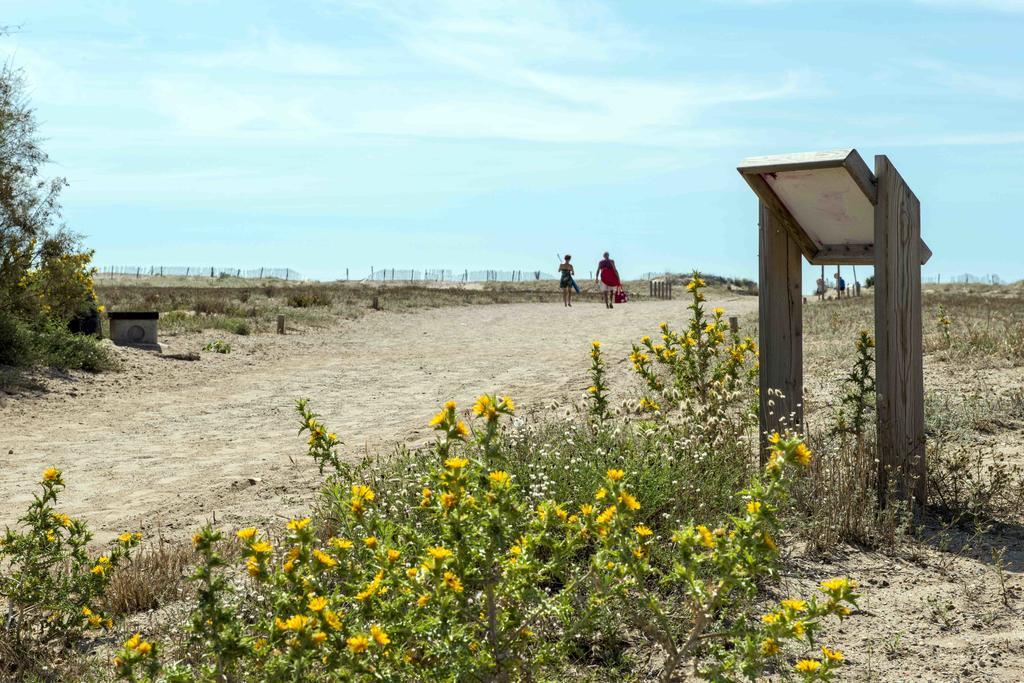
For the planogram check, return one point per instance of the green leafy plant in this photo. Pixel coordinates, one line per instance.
(52, 584)
(218, 346)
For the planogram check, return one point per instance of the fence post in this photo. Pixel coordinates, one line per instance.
(280, 324)
(138, 272)
(376, 304)
(346, 275)
(261, 273)
(734, 324)
(669, 290)
(161, 271)
(211, 271)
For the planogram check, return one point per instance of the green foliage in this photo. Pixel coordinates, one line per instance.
(597, 392)
(53, 585)
(469, 579)
(858, 401)
(218, 346)
(49, 343)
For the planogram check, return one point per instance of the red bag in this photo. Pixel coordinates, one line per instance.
(620, 296)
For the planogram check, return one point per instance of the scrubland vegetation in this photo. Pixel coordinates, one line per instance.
(636, 536)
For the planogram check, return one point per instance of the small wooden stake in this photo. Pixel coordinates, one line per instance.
(280, 324)
(734, 324)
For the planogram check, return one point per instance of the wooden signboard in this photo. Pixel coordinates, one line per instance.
(829, 208)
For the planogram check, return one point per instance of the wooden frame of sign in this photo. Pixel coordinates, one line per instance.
(829, 208)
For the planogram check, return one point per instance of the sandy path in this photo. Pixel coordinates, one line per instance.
(170, 443)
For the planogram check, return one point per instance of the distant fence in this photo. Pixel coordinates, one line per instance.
(200, 271)
(966, 279)
(441, 275)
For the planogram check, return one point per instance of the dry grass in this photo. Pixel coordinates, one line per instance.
(156, 576)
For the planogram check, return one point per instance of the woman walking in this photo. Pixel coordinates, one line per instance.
(608, 277)
(566, 282)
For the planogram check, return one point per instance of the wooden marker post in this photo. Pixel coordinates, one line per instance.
(781, 329)
(280, 324)
(734, 324)
(899, 369)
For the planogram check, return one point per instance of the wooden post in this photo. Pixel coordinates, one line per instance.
(650, 286)
(280, 324)
(734, 324)
(780, 329)
(899, 367)
(376, 303)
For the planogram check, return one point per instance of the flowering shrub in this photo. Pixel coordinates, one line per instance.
(53, 586)
(597, 392)
(705, 369)
(473, 580)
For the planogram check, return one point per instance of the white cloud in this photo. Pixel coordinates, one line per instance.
(1009, 86)
(273, 55)
(998, 5)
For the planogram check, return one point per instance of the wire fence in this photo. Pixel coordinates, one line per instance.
(199, 271)
(443, 275)
(966, 279)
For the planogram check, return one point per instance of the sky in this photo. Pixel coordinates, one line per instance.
(470, 134)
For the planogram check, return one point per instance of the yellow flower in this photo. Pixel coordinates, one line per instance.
(449, 405)
(439, 553)
(753, 507)
(499, 478)
(262, 548)
(423, 599)
(296, 623)
(774, 438)
(62, 519)
(770, 542)
(718, 311)
(411, 572)
(595, 344)
(615, 475)
(592, 389)
(838, 584)
(246, 534)
(769, 647)
(372, 587)
(317, 604)
(482, 404)
(707, 539)
(439, 418)
(455, 463)
(358, 644)
(642, 530)
(627, 499)
(586, 509)
(461, 429)
(144, 648)
(95, 620)
(125, 538)
(770, 618)
(447, 500)
(319, 637)
(332, 619)
(807, 666)
(393, 555)
(607, 515)
(370, 542)
(379, 635)
(508, 404)
(798, 629)
(323, 558)
(601, 493)
(362, 492)
(252, 566)
(133, 642)
(298, 524)
(453, 582)
(51, 474)
(832, 655)
(795, 605)
(803, 455)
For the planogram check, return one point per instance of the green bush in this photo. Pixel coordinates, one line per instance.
(50, 343)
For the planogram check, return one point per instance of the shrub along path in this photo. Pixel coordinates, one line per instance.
(166, 444)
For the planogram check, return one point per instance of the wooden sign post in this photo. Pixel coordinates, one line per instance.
(829, 208)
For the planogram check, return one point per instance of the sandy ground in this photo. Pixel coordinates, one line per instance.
(167, 444)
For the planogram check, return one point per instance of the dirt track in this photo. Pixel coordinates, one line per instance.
(171, 443)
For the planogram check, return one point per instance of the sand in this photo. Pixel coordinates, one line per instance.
(167, 444)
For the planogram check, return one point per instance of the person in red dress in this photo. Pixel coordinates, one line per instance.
(608, 278)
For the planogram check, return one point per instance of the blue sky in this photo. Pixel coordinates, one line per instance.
(473, 134)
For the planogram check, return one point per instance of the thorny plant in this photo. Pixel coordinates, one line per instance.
(52, 585)
(597, 392)
(485, 585)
